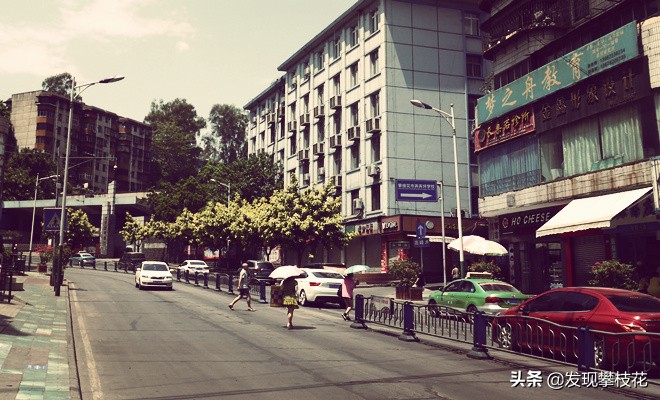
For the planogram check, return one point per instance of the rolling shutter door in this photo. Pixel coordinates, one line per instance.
(586, 251)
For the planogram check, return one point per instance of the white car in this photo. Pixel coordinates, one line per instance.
(193, 266)
(318, 285)
(153, 274)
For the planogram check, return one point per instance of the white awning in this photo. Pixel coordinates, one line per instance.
(437, 239)
(590, 212)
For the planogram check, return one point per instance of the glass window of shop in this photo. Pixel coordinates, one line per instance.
(510, 166)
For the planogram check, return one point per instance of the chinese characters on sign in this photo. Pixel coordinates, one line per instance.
(505, 128)
(592, 58)
(575, 379)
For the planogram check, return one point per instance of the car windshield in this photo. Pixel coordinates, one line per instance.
(497, 287)
(327, 274)
(632, 303)
(197, 263)
(154, 267)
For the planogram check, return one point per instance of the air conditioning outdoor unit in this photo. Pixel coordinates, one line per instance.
(373, 125)
(335, 102)
(373, 170)
(336, 180)
(304, 119)
(294, 81)
(318, 148)
(358, 205)
(319, 111)
(335, 141)
(306, 178)
(354, 133)
(303, 155)
(270, 118)
(292, 126)
(321, 171)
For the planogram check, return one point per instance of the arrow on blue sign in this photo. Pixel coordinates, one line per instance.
(423, 196)
(421, 230)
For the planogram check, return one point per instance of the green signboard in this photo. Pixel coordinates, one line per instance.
(597, 56)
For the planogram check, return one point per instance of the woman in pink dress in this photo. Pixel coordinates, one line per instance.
(347, 287)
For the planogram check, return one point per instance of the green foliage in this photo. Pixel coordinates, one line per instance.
(486, 266)
(226, 142)
(4, 110)
(167, 202)
(612, 274)
(405, 271)
(132, 232)
(21, 172)
(79, 230)
(60, 84)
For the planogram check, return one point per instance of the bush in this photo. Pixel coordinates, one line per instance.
(613, 274)
(405, 271)
(45, 253)
(486, 266)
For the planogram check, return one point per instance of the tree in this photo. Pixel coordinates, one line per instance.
(167, 202)
(175, 127)
(226, 142)
(20, 174)
(133, 232)
(60, 84)
(5, 112)
(79, 230)
(212, 229)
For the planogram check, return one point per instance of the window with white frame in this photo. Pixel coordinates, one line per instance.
(336, 85)
(336, 120)
(318, 60)
(292, 112)
(353, 35)
(336, 161)
(320, 129)
(355, 155)
(354, 115)
(471, 24)
(374, 19)
(375, 148)
(319, 94)
(374, 67)
(293, 144)
(305, 70)
(374, 191)
(353, 71)
(305, 104)
(336, 48)
(374, 104)
(473, 65)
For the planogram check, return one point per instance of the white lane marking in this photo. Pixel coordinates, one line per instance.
(94, 381)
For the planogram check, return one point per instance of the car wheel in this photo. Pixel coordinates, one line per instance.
(302, 298)
(140, 286)
(434, 309)
(600, 354)
(505, 336)
(136, 285)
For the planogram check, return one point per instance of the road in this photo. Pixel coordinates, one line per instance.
(187, 344)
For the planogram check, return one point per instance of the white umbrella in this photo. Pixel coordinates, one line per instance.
(486, 248)
(356, 268)
(286, 271)
(467, 240)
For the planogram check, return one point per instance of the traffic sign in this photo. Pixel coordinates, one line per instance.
(421, 242)
(416, 190)
(52, 219)
(420, 230)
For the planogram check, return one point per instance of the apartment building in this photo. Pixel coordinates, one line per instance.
(341, 113)
(567, 142)
(104, 146)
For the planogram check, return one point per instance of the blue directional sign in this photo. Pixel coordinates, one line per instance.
(421, 242)
(420, 230)
(416, 190)
(52, 219)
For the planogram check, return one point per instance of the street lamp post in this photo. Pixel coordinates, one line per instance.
(34, 211)
(59, 270)
(449, 117)
(227, 185)
(442, 221)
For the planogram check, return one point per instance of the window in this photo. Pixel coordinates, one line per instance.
(320, 132)
(305, 104)
(580, 9)
(305, 70)
(353, 35)
(374, 104)
(355, 155)
(336, 161)
(374, 18)
(293, 144)
(292, 112)
(336, 119)
(473, 66)
(336, 48)
(373, 63)
(318, 60)
(354, 114)
(375, 148)
(353, 70)
(471, 24)
(319, 95)
(375, 197)
(354, 195)
(336, 85)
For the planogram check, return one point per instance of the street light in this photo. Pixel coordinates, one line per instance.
(449, 117)
(34, 211)
(227, 185)
(442, 221)
(59, 270)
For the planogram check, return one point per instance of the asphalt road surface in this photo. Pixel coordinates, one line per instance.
(187, 344)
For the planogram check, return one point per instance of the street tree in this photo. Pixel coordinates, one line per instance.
(133, 232)
(60, 84)
(163, 231)
(20, 174)
(226, 141)
(167, 202)
(212, 229)
(175, 127)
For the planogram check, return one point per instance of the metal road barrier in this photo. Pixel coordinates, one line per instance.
(584, 347)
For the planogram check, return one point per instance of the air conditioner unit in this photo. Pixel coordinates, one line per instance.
(306, 71)
(358, 204)
(304, 119)
(373, 125)
(318, 148)
(264, 112)
(354, 133)
(306, 178)
(454, 214)
(270, 118)
(335, 141)
(319, 111)
(336, 180)
(321, 171)
(303, 155)
(335, 102)
(292, 126)
(373, 170)
(294, 81)
(280, 110)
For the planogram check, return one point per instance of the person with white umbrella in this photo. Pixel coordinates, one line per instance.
(288, 274)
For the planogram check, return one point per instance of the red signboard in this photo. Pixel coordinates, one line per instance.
(510, 126)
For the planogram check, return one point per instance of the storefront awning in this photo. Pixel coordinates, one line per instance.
(590, 212)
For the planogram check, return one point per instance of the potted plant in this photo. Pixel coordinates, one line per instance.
(45, 253)
(486, 266)
(406, 272)
(612, 274)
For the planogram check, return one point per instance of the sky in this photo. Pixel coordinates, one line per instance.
(204, 51)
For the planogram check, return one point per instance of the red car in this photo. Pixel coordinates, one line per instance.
(546, 325)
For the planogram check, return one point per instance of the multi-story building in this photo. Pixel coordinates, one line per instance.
(568, 139)
(341, 113)
(104, 146)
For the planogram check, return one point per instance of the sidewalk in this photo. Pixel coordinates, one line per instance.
(33, 342)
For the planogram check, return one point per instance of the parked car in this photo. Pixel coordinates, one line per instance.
(548, 323)
(476, 294)
(153, 274)
(193, 266)
(131, 260)
(260, 270)
(83, 259)
(318, 285)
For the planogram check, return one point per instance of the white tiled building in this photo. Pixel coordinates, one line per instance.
(341, 112)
